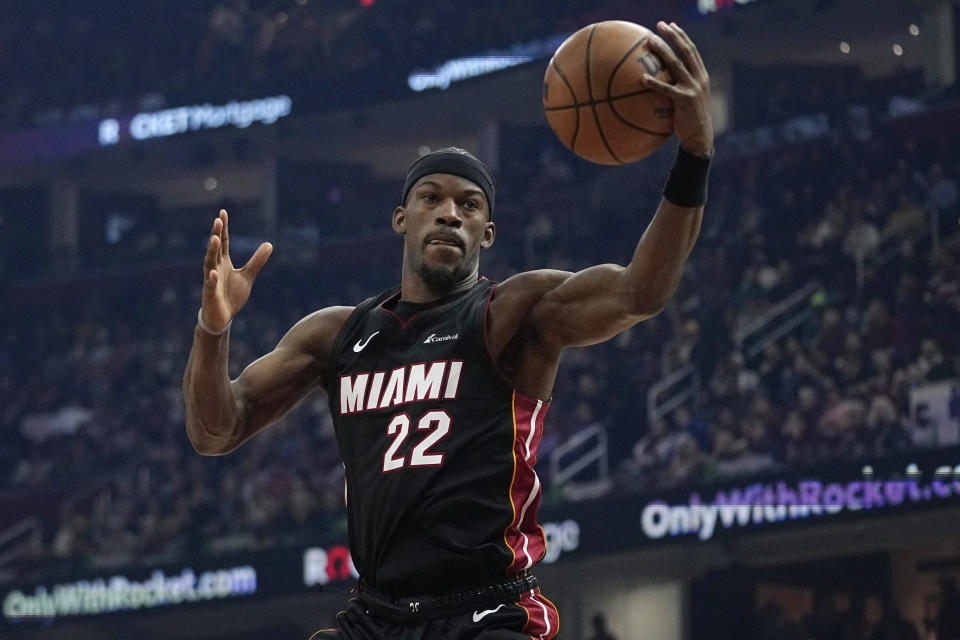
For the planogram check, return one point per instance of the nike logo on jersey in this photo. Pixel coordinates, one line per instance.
(357, 348)
(480, 615)
(435, 338)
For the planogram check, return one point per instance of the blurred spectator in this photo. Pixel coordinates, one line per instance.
(943, 194)
(885, 431)
(826, 622)
(600, 631)
(685, 463)
(773, 623)
(948, 617)
(877, 618)
(932, 365)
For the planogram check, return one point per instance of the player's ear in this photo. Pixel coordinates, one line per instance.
(400, 220)
(489, 233)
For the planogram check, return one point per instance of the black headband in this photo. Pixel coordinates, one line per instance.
(456, 162)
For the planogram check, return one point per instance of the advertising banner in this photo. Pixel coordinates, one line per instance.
(615, 523)
(833, 493)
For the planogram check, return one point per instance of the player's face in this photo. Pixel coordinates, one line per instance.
(445, 222)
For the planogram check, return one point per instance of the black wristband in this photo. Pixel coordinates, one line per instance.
(687, 184)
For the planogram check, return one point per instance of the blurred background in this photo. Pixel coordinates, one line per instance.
(776, 455)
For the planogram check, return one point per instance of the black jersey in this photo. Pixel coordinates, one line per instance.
(438, 448)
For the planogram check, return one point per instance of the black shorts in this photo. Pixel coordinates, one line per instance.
(529, 616)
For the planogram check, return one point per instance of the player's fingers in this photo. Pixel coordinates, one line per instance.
(670, 60)
(257, 260)
(217, 230)
(661, 87)
(211, 258)
(690, 52)
(226, 233)
(686, 38)
(208, 294)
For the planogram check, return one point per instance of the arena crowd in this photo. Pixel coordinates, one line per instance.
(91, 415)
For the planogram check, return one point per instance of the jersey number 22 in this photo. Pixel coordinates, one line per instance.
(436, 423)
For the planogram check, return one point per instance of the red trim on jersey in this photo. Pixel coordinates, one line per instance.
(403, 325)
(523, 536)
(543, 621)
(486, 311)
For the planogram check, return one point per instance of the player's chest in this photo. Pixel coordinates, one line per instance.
(384, 366)
(388, 344)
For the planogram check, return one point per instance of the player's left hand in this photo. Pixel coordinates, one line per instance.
(690, 92)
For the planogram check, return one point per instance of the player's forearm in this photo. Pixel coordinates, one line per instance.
(212, 410)
(658, 261)
(654, 273)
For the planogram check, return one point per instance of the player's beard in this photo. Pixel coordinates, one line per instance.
(444, 277)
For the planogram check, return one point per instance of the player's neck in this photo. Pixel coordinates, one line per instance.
(414, 289)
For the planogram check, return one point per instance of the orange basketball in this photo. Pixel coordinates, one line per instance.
(595, 99)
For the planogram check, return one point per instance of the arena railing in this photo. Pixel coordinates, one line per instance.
(587, 447)
(677, 388)
(14, 539)
(753, 336)
(682, 385)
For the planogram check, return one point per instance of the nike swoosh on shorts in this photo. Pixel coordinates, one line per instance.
(480, 615)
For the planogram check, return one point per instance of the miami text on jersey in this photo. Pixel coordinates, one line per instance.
(422, 381)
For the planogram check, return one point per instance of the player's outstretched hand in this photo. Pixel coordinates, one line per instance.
(225, 289)
(690, 92)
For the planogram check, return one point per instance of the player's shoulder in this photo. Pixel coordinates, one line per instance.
(317, 331)
(327, 316)
(518, 294)
(531, 283)
(513, 306)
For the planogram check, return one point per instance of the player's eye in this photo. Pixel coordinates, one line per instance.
(473, 205)
(429, 196)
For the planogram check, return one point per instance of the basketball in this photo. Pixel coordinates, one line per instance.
(594, 97)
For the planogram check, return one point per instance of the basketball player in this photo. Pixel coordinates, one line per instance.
(439, 387)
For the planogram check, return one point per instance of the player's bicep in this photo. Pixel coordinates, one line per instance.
(587, 307)
(272, 385)
(281, 375)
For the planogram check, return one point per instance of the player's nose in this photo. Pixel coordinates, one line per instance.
(448, 213)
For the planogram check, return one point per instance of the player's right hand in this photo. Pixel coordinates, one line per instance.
(225, 289)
